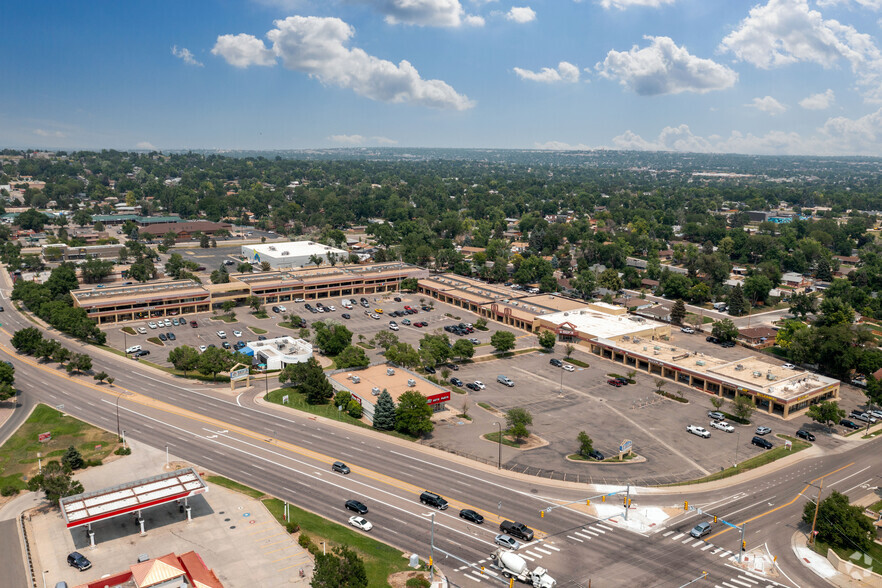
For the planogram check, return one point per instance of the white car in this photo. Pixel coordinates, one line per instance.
(393, 327)
(142, 330)
(480, 384)
(788, 366)
(167, 322)
(474, 341)
(723, 426)
(202, 348)
(332, 308)
(151, 324)
(237, 333)
(696, 430)
(222, 334)
(689, 330)
(282, 309)
(360, 523)
(569, 367)
(299, 300)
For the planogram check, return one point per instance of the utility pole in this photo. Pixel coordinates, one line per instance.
(741, 547)
(815, 518)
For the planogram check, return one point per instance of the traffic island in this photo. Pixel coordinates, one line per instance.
(627, 459)
(531, 442)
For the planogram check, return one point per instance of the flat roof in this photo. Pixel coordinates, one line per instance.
(376, 376)
(289, 346)
(602, 325)
(292, 249)
(137, 291)
(114, 501)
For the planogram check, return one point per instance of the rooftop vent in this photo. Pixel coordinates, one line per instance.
(375, 391)
(390, 371)
(356, 380)
(739, 368)
(411, 382)
(757, 374)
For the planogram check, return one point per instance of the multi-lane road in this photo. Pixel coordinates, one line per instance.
(288, 454)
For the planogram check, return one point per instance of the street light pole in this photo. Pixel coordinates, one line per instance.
(118, 436)
(499, 439)
(432, 550)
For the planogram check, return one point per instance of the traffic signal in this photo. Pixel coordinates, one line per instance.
(587, 502)
(603, 498)
(685, 505)
(715, 518)
(541, 514)
(744, 546)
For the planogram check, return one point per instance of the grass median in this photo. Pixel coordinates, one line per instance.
(762, 459)
(380, 560)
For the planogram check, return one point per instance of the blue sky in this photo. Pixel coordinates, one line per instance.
(774, 76)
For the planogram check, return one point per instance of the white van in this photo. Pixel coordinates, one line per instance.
(133, 349)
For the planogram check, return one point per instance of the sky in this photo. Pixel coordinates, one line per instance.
(800, 77)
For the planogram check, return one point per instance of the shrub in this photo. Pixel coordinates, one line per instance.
(8, 491)
(304, 541)
(292, 527)
(123, 451)
(418, 582)
(92, 463)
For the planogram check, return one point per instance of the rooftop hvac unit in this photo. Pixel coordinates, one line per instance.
(655, 351)
(390, 371)
(375, 391)
(411, 382)
(356, 380)
(644, 348)
(657, 348)
(739, 368)
(757, 374)
(699, 362)
(566, 314)
(771, 376)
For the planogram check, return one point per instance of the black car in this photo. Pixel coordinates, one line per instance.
(456, 382)
(711, 339)
(555, 362)
(397, 299)
(171, 336)
(622, 381)
(141, 353)
(517, 530)
(471, 515)
(78, 560)
(594, 454)
(275, 309)
(803, 434)
(849, 424)
(452, 366)
(426, 308)
(162, 337)
(429, 369)
(345, 315)
(727, 344)
(226, 345)
(473, 386)
(356, 506)
(261, 338)
(760, 442)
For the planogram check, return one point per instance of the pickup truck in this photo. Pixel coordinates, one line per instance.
(518, 530)
(505, 381)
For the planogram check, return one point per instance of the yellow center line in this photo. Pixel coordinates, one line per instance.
(795, 498)
(146, 401)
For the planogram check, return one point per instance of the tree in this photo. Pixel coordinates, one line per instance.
(568, 349)
(32, 220)
(434, 349)
(586, 445)
(354, 409)
(784, 336)
(342, 568)
(73, 459)
(678, 312)
(725, 330)
(61, 354)
(839, 523)
(385, 339)
(80, 362)
(517, 420)
(801, 305)
(7, 381)
(333, 339)
(342, 398)
(244, 268)
(825, 412)
(212, 361)
(265, 266)
(409, 284)
(737, 303)
(463, 349)
(404, 355)
(350, 357)
(743, 406)
(100, 376)
(502, 341)
(94, 270)
(384, 413)
(204, 241)
(699, 293)
(834, 311)
(184, 358)
(254, 302)
(609, 279)
(413, 416)
(584, 283)
(220, 276)
(46, 348)
(756, 288)
(228, 307)
(547, 339)
(56, 481)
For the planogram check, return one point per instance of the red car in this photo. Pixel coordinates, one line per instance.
(418, 324)
(615, 383)
(407, 307)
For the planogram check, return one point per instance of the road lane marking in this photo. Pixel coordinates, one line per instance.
(668, 533)
(574, 539)
(739, 582)
(706, 547)
(677, 536)
(858, 485)
(697, 543)
(584, 536)
(547, 546)
(746, 579)
(849, 476)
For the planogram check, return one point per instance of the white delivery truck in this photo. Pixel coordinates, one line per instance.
(514, 566)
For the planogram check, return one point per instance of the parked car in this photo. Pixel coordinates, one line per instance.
(727, 344)
(151, 324)
(221, 334)
(712, 339)
(760, 442)
(480, 384)
(474, 341)
(356, 506)
(162, 337)
(507, 541)
(429, 369)
(470, 515)
(456, 382)
(452, 366)
(717, 416)
(79, 561)
(194, 324)
(555, 362)
(505, 381)
(237, 333)
(569, 367)
(171, 336)
(405, 321)
(622, 381)
(175, 322)
(594, 454)
(849, 424)
(700, 530)
(275, 309)
(202, 348)
(133, 349)
(803, 434)
(763, 430)
(346, 316)
(696, 430)
(723, 426)
(789, 366)
(142, 330)
(614, 382)
(360, 523)
(141, 353)
(689, 330)
(472, 386)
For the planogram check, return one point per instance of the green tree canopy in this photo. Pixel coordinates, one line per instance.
(547, 340)
(825, 412)
(725, 330)
(586, 445)
(342, 568)
(840, 523)
(413, 416)
(502, 341)
(384, 413)
(517, 420)
(351, 357)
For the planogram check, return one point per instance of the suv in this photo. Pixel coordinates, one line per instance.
(717, 416)
(711, 339)
(700, 530)
(518, 530)
(339, 466)
(760, 442)
(555, 362)
(78, 560)
(432, 499)
(505, 381)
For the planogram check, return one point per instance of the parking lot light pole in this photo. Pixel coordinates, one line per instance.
(499, 439)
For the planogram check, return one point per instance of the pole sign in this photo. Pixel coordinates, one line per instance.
(625, 446)
(239, 374)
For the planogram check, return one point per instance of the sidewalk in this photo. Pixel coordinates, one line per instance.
(823, 568)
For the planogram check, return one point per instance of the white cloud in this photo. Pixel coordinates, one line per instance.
(385, 141)
(561, 146)
(521, 14)
(565, 72)
(820, 101)
(184, 54)
(854, 136)
(768, 105)
(146, 145)
(243, 50)
(317, 46)
(348, 139)
(665, 68)
(623, 4)
(871, 4)
(45, 133)
(425, 13)
(783, 32)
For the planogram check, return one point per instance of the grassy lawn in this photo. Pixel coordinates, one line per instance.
(485, 406)
(366, 345)
(505, 440)
(128, 330)
(155, 341)
(260, 314)
(225, 318)
(235, 486)
(875, 552)
(380, 560)
(297, 401)
(576, 362)
(18, 456)
(580, 457)
(258, 330)
(876, 506)
(762, 459)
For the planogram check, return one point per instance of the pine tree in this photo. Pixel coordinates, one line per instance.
(384, 415)
(737, 303)
(678, 312)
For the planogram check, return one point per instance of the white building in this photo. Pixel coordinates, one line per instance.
(279, 352)
(290, 255)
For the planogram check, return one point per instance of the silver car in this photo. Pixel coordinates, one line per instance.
(507, 541)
